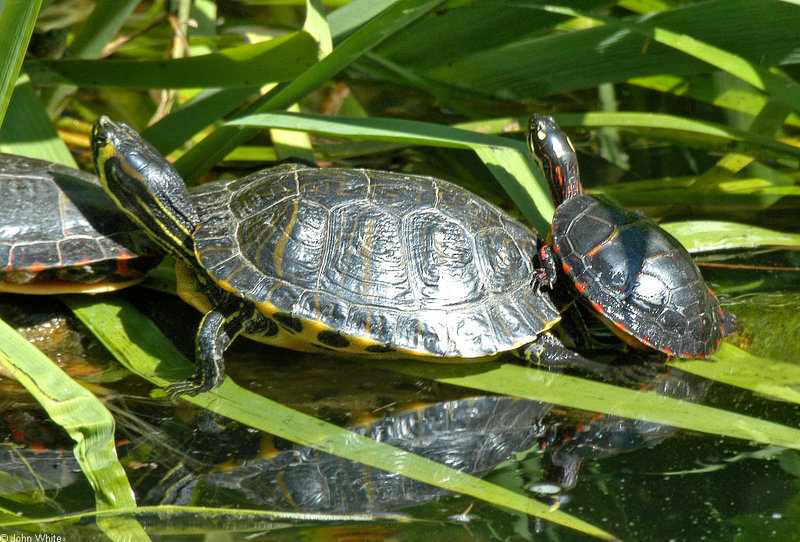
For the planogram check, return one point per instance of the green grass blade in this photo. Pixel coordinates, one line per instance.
(535, 66)
(17, 19)
(505, 158)
(735, 367)
(773, 82)
(400, 14)
(351, 16)
(257, 520)
(84, 418)
(684, 130)
(584, 394)
(207, 107)
(139, 345)
(100, 27)
(711, 235)
(280, 59)
(27, 129)
(704, 88)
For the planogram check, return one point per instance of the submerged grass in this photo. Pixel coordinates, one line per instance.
(688, 82)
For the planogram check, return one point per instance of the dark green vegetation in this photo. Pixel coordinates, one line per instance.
(688, 113)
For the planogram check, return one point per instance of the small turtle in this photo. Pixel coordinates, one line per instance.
(636, 276)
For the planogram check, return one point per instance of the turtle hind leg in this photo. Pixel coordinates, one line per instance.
(217, 330)
(550, 353)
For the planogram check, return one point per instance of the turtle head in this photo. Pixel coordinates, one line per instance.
(555, 156)
(144, 185)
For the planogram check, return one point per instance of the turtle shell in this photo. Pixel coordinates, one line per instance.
(60, 232)
(639, 277)
(372, 261)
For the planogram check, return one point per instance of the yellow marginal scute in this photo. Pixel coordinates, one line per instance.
(306, 341)
(56, 287)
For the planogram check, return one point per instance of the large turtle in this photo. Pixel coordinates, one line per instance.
(358, 261)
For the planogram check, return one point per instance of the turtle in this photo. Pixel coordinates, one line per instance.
(347, 260)
(637, 277)
(60, 232)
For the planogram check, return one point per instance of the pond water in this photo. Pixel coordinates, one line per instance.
(639, 482)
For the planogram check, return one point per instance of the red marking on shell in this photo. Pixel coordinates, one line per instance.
(687, 355)
(37, 266)
(18, 435)
(668, 351)
(580, 287)
(556, 249)
(621, 326)
(566, 268)
(597, 307)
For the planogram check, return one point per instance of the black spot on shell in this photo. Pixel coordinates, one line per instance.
(379, 348)
(292, 323)
(267, 328)
(332, 338)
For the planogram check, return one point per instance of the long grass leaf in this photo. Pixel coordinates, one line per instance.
(704, 88)
(777, 84)
(100, 27)
(138, 344)
(400, 14)
(17, 19)
(735, 367)
(579, 393)
(27, 129)
(713, 235)
(86, 421)
(685, 130)
(505, 158)
(280, 59)
(544, 65)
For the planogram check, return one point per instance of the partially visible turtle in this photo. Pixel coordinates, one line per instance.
(635, 275)
(60, 233)
(357, 261)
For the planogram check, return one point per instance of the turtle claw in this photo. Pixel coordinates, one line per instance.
(183, 387)
(545, 273)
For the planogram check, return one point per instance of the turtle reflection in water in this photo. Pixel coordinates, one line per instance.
(473, 435)
(227, 466)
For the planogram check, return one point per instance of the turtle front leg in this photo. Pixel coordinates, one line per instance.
(217, 330)
(546, 273)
